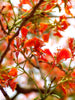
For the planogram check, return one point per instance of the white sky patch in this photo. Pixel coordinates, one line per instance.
(10, 92)
(16, 10)
(53, 45)
(73, 64)
(26, 6)
(15, 2)
(2, 96)
(69, 32)
(21, 97)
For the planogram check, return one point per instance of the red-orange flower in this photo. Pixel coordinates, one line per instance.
(49, 6)
(46, 37)
(63, 17)
(64, 89)
(72, 85)
(24, 31)
(12, 84)
(54, 1)
(73, 74)
(36, 42)
(68, 6)
(43, 27)
(63, 54)
(70, 42)
(58, 34)
(13, 72)
(56, 72)
(47, 51)
(26, 2)
(5, 76)
(28, 24)
(67, 10)
(64, 25)
(4, 79)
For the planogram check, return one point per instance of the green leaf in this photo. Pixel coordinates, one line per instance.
(55, 95)
(36, 98)
(63, 65)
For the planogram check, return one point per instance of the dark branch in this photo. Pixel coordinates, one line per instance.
(17, 33)
(2, 9)
(14, 96)
(4, 93)
(25, 91)
(3, 28)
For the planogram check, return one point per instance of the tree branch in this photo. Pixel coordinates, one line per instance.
(30, 61)
(14, 96)
(25, 91)
(17, 33)
(3, 28)
(4, 93)
(53, 16)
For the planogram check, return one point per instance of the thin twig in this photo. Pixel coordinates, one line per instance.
(53, 16)
(37, 62)
(33, 82)
(28, 59)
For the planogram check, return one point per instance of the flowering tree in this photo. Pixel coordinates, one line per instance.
(23, 35)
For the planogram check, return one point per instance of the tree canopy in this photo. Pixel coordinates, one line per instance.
(27, 65)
